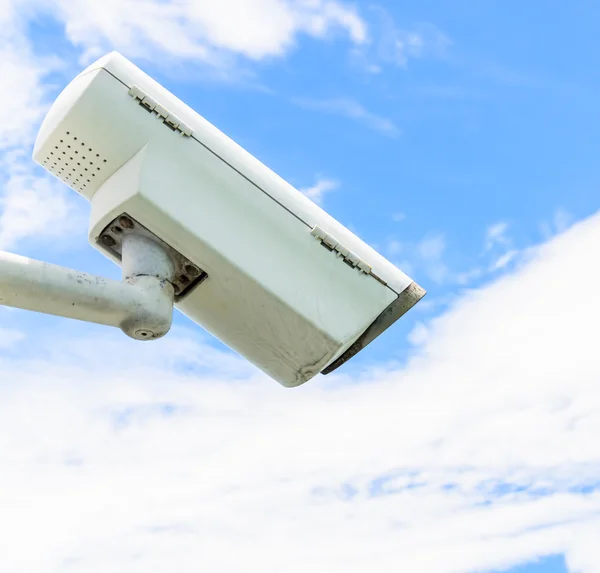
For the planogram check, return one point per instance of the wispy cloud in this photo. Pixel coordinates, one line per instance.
(496, 235)
(391, 44)
(425, 256)
(502, 261)
(202, 31)
(398, 46)
(429, 256)
(319, 189)
(31, 204)
(9, 337)
(352, 110)
(560, 221)
(22, 101)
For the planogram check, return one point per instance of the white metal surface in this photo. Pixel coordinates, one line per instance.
(141, 305)
(274, 293)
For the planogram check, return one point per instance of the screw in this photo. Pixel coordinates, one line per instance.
(126, 222)
(192, 270)
(143, 334)
(108, 241)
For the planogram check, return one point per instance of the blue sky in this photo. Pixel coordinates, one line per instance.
(457, 139)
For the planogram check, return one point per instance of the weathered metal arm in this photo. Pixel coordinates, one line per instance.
(141, 305)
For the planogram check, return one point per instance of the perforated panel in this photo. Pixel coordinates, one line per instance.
(75, 162)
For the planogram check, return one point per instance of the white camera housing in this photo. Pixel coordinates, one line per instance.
(271, 274)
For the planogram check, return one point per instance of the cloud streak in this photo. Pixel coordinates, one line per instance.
(352, 110)
(320, 188)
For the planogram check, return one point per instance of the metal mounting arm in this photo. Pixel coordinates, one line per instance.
(141, 305)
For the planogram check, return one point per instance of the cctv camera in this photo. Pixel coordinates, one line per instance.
(254, 261)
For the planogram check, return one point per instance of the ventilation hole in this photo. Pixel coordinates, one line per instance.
(76, 151)
(83, 145)
(91, 163)
(69, 146)
(88, 180)
(61, 140)
(75, 138)
(93, 175)
(90, 149)
(64, 152)
(97, 155)
(85, 168)
(78, 163)
(56, 147)
(52, 153)
(105, 161)
(97, 168)
(71, 158)
(68, 132)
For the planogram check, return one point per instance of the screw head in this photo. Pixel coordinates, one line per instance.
(143, 334)
(126, 222)
(191, 270)
(108, 241)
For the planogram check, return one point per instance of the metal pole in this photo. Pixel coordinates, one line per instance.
(141, 305)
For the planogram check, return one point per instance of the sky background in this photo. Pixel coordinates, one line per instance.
(457, 138)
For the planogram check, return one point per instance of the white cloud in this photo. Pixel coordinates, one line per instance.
(426, 256)
(469, 276)
(118, 455)
(399, 217)
(34, 207)
(22, 97)
(352, 110)
(395, 45)
(202, 30)
(502, 261)
(496, 235)
(432, 246)
(31, 205)
(429, 256)
(322, 186)
(418, 335)
(560, 222)
(9, 337)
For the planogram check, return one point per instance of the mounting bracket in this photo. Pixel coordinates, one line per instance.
(141, 305)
